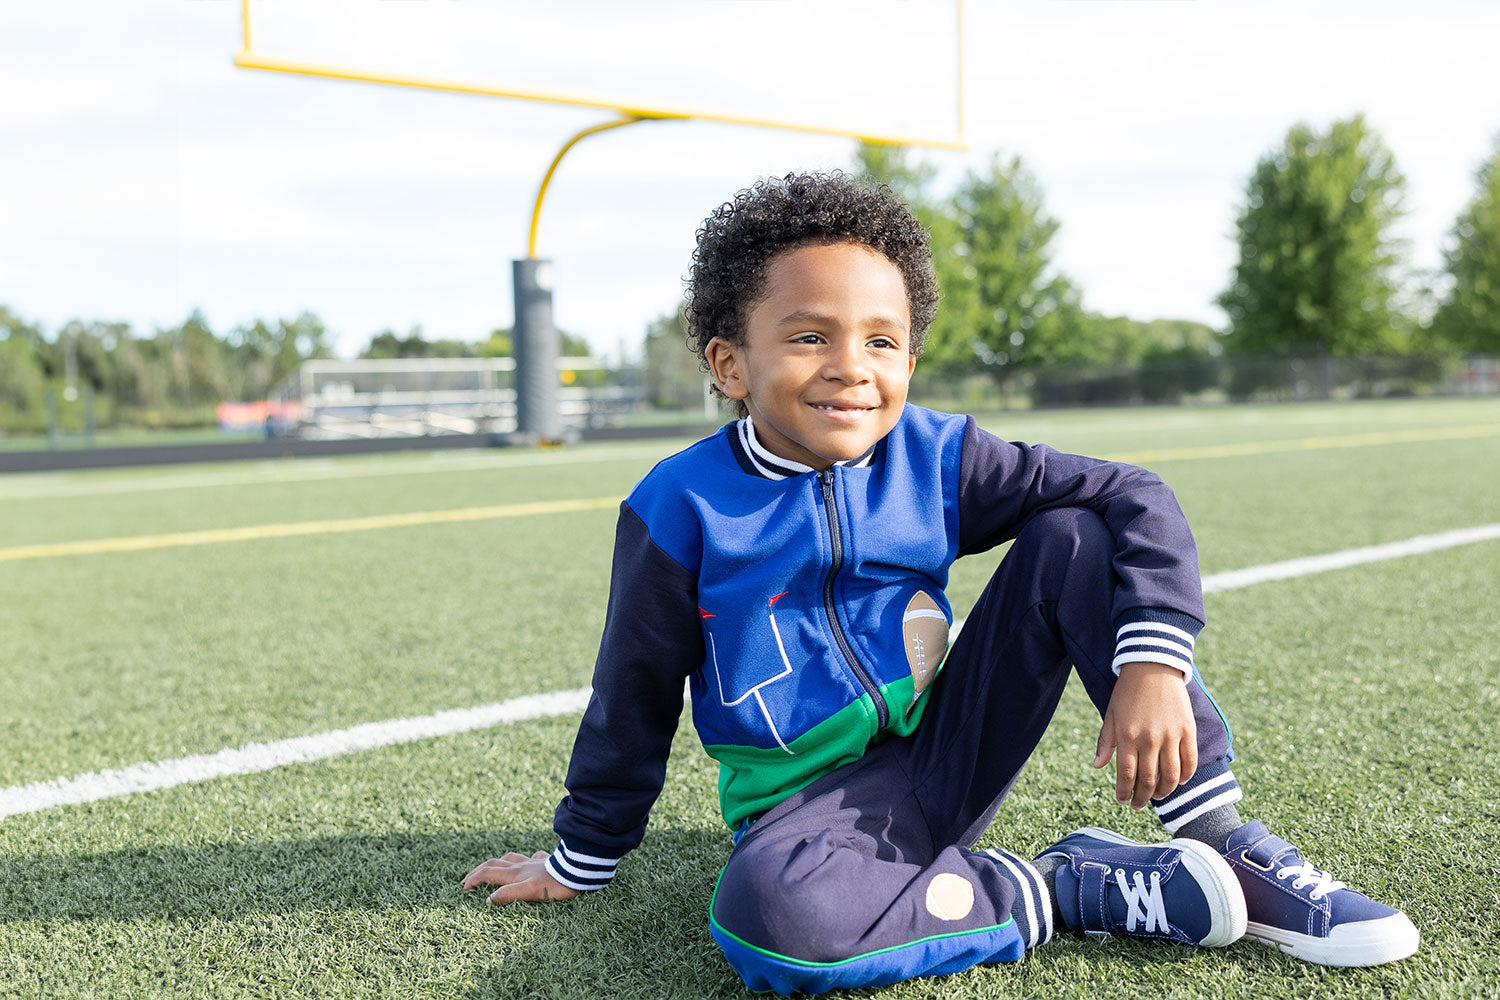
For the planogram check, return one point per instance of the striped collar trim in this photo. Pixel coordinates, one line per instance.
(757, 460)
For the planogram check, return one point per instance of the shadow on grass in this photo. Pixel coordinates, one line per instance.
(646, 937)
(378, 872)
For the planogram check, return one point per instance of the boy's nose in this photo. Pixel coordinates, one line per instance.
(846, 362)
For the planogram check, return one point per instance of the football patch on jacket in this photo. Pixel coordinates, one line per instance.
(924, 633)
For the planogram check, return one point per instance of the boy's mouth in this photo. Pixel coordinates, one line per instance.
(843, 414)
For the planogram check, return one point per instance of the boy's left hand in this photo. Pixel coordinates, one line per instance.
(1149, 721)
(520, 879)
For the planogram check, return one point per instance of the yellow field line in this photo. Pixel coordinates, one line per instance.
(213, 536)
(139, 542)
(1307, 444)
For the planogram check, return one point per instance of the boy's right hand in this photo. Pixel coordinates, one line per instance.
(518, 877)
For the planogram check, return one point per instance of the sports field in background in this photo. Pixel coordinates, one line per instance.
(211, 607)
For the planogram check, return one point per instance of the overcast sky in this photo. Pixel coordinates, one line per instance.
(142, 175)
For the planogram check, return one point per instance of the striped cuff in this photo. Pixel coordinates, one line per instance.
(1033, 906)
(1150, 635)
(1211, 787)
(583, 872)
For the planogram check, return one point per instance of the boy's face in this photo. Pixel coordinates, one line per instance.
(826, 358)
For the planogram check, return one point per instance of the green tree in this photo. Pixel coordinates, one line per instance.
(92, 346)
(191, 361)
(1179, 340)
(22, 378)
(498, 345)
(135, 381)
(1004, 301)
(1093, 339)
(263, 354)
(13, 327)
(671, 378)
(501, 345)
(573, 346)
(389, 344)
(1469, 317)
(912, 183)
(257, 350)
(890, 165)
(301, 338)
(1317, 273)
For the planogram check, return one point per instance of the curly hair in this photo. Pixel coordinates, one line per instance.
(739, 239)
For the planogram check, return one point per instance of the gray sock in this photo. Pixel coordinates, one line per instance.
(1213, 827)
(1048, 866)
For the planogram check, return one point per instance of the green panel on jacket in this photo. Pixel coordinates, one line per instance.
(753, 780)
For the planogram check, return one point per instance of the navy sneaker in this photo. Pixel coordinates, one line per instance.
(1179, 891)
(1306, 912)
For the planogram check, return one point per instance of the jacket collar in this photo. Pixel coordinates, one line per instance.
(755, 459)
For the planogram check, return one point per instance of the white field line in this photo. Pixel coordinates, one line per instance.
(255, 757)
(1236, 578)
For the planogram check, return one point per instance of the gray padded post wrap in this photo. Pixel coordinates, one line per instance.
(535, 341)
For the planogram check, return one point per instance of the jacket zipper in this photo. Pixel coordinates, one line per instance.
(882, 713)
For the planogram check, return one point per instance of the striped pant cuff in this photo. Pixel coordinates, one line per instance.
(1211, 787)
(1033, 905)
(583, 872)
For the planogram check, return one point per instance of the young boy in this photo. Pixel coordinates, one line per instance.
(791, 568)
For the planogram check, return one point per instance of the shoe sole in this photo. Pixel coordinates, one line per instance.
(1369, 942)
(1214, 876)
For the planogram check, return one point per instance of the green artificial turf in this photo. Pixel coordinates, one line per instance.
(1363, 703)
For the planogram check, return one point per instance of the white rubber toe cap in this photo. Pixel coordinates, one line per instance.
(1368, 942)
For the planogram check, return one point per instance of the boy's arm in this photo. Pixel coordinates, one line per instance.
(652, 641)
(1002, 485)
(1158, 603)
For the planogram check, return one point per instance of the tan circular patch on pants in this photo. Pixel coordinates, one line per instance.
(949, 896)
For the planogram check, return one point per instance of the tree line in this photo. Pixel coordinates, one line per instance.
(176, 376)
(172, 378)
(1321, 273)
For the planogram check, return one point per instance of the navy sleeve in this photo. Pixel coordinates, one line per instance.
(652, 641)
(1002, 484)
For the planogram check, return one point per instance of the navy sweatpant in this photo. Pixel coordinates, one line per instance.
(853, 881)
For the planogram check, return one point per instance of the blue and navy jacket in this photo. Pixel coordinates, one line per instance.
(794, 603)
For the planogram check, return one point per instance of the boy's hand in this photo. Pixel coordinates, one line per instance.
(1150, 722)
(518, 877)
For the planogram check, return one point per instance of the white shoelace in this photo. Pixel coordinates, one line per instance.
(1306, 874)
(1142, 903)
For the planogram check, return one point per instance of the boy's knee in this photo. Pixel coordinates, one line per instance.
(1069, 532)
(781, 901)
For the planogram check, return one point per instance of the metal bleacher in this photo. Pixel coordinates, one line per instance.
(425, 397)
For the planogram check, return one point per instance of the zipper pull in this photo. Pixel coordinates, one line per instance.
(825, 478)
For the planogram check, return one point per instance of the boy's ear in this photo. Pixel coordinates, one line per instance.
(724, 364)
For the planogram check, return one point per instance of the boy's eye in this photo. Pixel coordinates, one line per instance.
(884, 343)
(807, 338)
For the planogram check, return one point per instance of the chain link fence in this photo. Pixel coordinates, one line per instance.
(1215, 380)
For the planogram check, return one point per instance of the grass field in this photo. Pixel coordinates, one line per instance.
(1364, 702)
